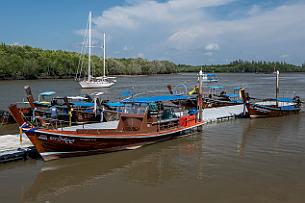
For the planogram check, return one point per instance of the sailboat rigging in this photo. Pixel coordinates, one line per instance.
(91, 81)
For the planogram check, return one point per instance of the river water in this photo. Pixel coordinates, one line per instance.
(241, 160)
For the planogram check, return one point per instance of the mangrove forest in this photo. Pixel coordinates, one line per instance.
(25, 62)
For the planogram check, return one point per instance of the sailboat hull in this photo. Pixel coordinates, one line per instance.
(95, 84)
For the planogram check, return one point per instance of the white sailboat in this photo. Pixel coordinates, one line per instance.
(95, 82)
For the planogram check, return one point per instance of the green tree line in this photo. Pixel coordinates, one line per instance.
(240, 66)
(25, 62)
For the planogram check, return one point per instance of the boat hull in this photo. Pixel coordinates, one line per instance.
(95, 84)
(55, 145)
(258, 111)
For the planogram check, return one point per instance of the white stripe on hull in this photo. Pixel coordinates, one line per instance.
(47, 156)
(116, 137)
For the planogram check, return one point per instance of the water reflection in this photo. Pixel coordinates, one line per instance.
(150, 165)
(266, 134)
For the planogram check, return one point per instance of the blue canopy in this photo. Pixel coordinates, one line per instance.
(83, 104)
(156, 98)
(283, 99)
(114, 104)
(215, 87)
(237, 88)
(211, 74)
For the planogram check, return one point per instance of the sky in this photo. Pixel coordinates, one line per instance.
(183, 31)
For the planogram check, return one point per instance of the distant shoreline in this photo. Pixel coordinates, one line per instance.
(132, 76)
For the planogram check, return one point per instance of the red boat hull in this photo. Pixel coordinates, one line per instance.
(257, 111)
(56, 145)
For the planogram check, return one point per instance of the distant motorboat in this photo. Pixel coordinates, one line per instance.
(209, 77)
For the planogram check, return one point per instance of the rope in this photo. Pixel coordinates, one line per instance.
(81, 61)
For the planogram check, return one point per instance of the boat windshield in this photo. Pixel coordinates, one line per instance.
(136, 108)
(46, 96)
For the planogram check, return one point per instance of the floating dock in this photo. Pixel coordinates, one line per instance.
(11, 149)
(223, 113)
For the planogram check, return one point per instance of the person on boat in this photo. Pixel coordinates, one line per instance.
(34, 114)
(37, 119)
(53, 119)
(102, 109)
(53, 112)
(297, 100)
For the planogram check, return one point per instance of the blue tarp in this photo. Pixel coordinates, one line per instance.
(283, 99)
(156, 98)
(215, 87)
(238, 101)
(83, 104)
(114, 104)
(289, 108)
(232, 95)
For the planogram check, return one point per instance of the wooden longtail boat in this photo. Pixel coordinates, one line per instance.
(209, 100)
(272, 107)
(140, 126)
(216, 96)
(82, 109)
(263, 111)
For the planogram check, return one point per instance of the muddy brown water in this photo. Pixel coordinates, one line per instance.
(242, 160)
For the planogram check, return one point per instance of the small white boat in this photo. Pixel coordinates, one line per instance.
(95, 83)
(209, 77)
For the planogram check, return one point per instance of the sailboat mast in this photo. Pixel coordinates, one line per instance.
(104, 54)
(89, 48)
(277, 89)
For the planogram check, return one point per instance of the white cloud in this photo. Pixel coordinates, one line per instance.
(284, 56)
(138, 13)
(255, 10)
(195, 4)
(140, 55)
(179, 28)
(128, 48)
(212, 47)
(16, 44)
(209, 53)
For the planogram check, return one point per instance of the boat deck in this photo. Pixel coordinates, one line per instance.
(103, 125)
